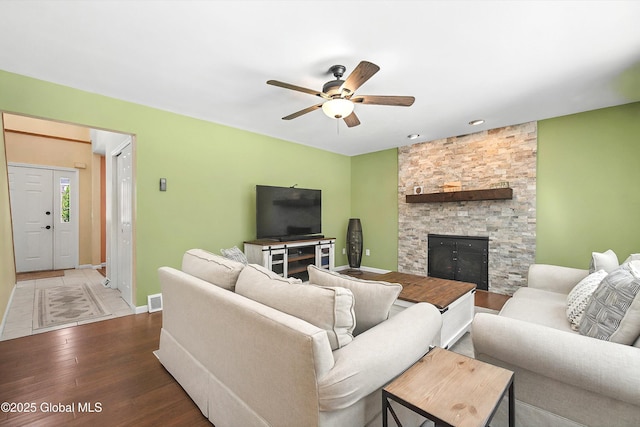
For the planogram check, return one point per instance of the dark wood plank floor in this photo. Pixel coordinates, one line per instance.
(105, 366)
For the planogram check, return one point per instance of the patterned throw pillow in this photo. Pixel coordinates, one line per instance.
(578, 298)
(613, 313)
(235, 254)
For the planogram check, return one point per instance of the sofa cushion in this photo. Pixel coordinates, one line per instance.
(546, 309)
(579, 297)
(373, 299)
(607, 261)
(235, 254)
(613, 313)
(329, 308)
(213, 268)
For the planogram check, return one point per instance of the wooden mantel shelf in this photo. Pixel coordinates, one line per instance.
(462, 196)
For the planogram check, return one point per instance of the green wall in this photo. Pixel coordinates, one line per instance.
(211, 173)
(587, 186)
(374, 199)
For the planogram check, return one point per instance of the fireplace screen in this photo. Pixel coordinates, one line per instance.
(464, 258)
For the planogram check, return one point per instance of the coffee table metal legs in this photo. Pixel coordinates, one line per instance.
(387, 408)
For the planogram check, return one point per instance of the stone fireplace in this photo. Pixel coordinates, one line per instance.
(477, 161)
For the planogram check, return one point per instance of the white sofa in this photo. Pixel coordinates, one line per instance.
(562, 378)
(246, 363)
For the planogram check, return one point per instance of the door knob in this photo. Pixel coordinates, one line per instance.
(48, 213)
(47, 227)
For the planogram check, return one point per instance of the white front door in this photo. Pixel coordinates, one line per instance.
(124, 214)
(44, 218)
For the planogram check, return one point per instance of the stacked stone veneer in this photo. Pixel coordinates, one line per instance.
(477, 161)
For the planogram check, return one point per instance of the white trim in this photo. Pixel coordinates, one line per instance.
(363, 268)
(142, 309)
(6, 312)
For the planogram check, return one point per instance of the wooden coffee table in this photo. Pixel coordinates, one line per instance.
(454, 299)
(451, 390)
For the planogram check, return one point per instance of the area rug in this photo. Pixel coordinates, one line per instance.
(60, 305)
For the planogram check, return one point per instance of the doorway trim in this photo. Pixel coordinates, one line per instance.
(112, 217)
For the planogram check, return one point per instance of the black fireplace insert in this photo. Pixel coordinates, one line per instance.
(464, 258)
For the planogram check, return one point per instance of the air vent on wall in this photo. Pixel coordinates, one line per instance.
(154, 302)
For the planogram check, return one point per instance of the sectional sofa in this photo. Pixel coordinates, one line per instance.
(253, 349)
(572, 339)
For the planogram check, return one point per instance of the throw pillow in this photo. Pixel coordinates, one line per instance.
(213, 268)
(607, 261)
(235, 254)
(328, 308)
(579, 297)
(373, 299)
(613, 313)
(632, 257)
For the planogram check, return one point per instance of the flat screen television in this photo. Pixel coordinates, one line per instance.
(286, 213)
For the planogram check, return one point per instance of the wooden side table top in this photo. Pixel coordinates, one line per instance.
(453, 388)
(439, 292)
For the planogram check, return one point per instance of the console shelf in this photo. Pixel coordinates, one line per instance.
(291, 258)
(462, 196)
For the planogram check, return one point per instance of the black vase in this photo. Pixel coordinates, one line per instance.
(354, 243)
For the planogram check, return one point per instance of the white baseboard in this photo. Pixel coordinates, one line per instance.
(6, 311)
(142, 309)
(363, 268)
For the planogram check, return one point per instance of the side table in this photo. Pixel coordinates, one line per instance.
(451, 390)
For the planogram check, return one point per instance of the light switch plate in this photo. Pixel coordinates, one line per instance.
(163, 184)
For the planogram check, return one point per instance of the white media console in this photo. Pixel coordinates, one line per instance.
(291, 258)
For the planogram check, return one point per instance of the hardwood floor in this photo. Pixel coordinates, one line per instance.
(106, 366)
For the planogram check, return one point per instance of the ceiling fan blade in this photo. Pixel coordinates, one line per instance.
(352, 120)
(400, 101)
(301, 112)
(359, 75)
(298, 88)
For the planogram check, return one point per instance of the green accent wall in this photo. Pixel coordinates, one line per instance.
(211, 173)
(587, 198)
(587, 187)
(374, 199)
(7, 263)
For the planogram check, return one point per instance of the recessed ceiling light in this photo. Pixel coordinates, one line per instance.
(476, 122)
(413, 136)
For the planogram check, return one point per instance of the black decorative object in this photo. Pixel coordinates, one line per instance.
(354, 243)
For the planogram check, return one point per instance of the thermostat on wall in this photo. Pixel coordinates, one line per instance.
(418, 189)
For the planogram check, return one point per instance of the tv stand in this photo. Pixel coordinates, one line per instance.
(291, 257)
(297, 238)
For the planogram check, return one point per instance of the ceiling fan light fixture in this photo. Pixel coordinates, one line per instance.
(338, 108)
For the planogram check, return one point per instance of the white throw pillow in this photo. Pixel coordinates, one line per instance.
(331, 309)
(607, 261)
(632, 257)
(235, 254)
(373, 299)
(578, 298)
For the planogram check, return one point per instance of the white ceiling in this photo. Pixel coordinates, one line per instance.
(506, 62)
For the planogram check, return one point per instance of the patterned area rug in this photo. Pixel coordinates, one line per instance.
(66, 304)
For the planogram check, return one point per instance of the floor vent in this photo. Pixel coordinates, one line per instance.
(154, 302)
